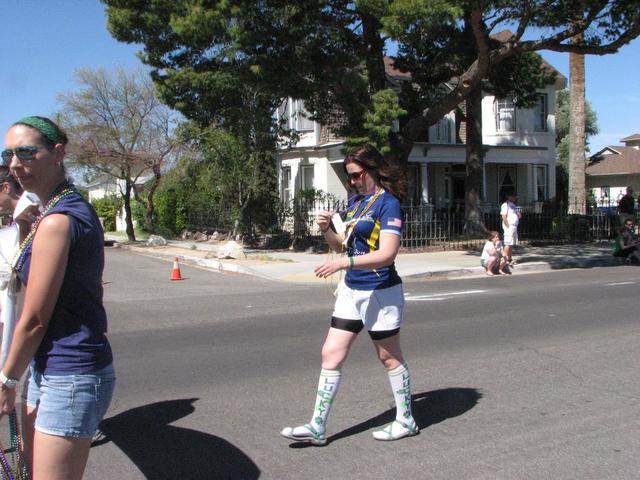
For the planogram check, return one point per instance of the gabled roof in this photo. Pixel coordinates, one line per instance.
(630, 138)
(392, 71)
(614, 160)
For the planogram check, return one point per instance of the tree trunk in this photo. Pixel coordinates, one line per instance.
(150, 210)
(131, 235)
(577, 163)
(474, 222)
(374, 52)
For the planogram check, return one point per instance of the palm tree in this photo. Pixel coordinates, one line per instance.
(577, 138)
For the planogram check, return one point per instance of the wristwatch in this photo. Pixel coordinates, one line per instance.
(8, 382)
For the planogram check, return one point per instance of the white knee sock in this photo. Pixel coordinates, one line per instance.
(400, 380)
(327, 389)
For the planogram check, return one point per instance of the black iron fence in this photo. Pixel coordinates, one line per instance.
(424, 225)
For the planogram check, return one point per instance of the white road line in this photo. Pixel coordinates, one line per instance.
(440, 296)
(620, 283)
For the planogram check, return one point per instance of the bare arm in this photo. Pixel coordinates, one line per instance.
(49, 258)
(333, 239)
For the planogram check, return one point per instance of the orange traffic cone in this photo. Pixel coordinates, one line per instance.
(175, 272)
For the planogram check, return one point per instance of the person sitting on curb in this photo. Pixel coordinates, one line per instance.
(626, 244)
(492, 258)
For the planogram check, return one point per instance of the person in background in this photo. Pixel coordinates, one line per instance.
(24, 208)
(626, 244)
(510, 219)
(626, 207)
(12, 195)
(62, 327)
(371, 296)
(492, 259)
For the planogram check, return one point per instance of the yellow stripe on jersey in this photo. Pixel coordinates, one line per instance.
(373, 238)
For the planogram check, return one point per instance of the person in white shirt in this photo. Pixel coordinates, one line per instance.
(24, 208)
(492, 259)
(510, 219)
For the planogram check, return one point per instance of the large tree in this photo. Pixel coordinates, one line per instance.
(563, 120)
(120, 131)
(577, 135)
(331, 52)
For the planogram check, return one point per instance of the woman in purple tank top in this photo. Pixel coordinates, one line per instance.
(62, 326)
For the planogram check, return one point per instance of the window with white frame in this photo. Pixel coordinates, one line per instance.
(285, 186)
(300, 117)
(540, 185)
(306, 177)
(507, 181)
(505, 112)
(294, 116)
(541, 111)
(604, 199)
(443, 130)
(284, 113)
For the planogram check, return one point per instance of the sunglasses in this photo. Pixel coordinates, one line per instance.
(355, 176)
(24, 154)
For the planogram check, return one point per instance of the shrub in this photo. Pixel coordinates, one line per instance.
(108, 208)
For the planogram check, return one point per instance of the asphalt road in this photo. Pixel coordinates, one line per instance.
(523, 377)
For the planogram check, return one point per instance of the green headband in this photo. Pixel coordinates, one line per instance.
(47, 129)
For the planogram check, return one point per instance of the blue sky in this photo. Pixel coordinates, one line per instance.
(43, 42)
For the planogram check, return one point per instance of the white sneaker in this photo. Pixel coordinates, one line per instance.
(305, 433)
(396, 430)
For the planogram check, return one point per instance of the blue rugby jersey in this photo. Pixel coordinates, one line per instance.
(384, 215)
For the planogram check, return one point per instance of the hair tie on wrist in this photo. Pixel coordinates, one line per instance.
(351, 263)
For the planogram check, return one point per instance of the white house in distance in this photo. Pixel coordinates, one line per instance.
(520, 154)
(108, 186)
(614, 168)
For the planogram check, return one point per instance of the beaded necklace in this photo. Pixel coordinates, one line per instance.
(61, 191)
(17, 471)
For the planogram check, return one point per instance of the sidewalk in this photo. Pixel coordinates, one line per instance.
(297, 267)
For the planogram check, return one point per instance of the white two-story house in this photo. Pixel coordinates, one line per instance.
(519, 143)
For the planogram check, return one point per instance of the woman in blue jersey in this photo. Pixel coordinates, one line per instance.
(371, 296)
(62, 327)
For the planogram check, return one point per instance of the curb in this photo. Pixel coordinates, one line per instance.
(476, 271)
(200, 262)
(529, 267)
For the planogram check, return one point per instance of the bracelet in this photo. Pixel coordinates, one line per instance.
(351, 263)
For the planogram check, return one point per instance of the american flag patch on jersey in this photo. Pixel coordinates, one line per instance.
(394, 222)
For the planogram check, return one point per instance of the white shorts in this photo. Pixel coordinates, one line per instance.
(378, 310)
(511, 236)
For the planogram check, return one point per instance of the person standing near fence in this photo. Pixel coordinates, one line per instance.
(371, 296)
(626, 207)
(510, 220)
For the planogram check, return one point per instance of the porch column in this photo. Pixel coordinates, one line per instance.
(530, 183)
(424, 175)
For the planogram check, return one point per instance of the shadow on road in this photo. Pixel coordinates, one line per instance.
(162, 451)
(428, 409)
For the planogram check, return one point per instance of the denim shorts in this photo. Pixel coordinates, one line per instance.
(70, 405)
